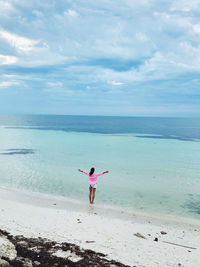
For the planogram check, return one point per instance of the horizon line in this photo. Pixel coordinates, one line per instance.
(97, 115)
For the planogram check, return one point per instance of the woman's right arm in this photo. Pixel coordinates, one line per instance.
(82, 171)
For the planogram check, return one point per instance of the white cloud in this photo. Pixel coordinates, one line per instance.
(116, 83)
(22, 44)
(58, 91)
(159, 66)
(5, 5)
(9, 76)
(55, 84)
(184, 5)
(141, 36)
(38, 13)
(6, 60)
(8, 84)
(196, 28)
(71, 13)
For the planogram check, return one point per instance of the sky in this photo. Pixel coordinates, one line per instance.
(104, 57)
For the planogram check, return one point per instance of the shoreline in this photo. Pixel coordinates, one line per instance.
(111, 230)
(44, 200)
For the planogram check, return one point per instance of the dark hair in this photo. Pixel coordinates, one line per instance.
(92, 171)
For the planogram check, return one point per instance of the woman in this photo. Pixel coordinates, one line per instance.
(92, 182)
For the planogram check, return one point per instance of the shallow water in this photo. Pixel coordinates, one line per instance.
(152, 174)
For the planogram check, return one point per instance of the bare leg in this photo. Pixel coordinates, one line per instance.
(90, 195)
(93, 194)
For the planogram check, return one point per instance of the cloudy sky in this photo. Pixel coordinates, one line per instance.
(109, 57)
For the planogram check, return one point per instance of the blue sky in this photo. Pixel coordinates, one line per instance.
(113, 57)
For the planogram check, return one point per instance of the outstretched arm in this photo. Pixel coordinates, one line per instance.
(98, 174)
(82, 171)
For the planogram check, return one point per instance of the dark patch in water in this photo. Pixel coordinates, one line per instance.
(164, 196)
(105, 130)
(138, 194)
(186, 128)
(167, 137)
(193, 206)
(17, 151)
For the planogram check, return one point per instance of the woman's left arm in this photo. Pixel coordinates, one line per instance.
(98, 174)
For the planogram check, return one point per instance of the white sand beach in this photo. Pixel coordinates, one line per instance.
(109, 230)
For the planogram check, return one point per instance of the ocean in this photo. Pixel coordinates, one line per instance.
(153, 163)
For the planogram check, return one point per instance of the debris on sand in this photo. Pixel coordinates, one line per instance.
(19, 251)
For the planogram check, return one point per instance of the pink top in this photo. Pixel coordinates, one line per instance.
(93, 177)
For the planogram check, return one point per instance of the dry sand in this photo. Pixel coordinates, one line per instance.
(105, 229)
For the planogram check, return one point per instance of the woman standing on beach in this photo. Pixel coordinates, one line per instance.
(92, 182)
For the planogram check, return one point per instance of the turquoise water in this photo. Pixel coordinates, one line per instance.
(151, 174)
